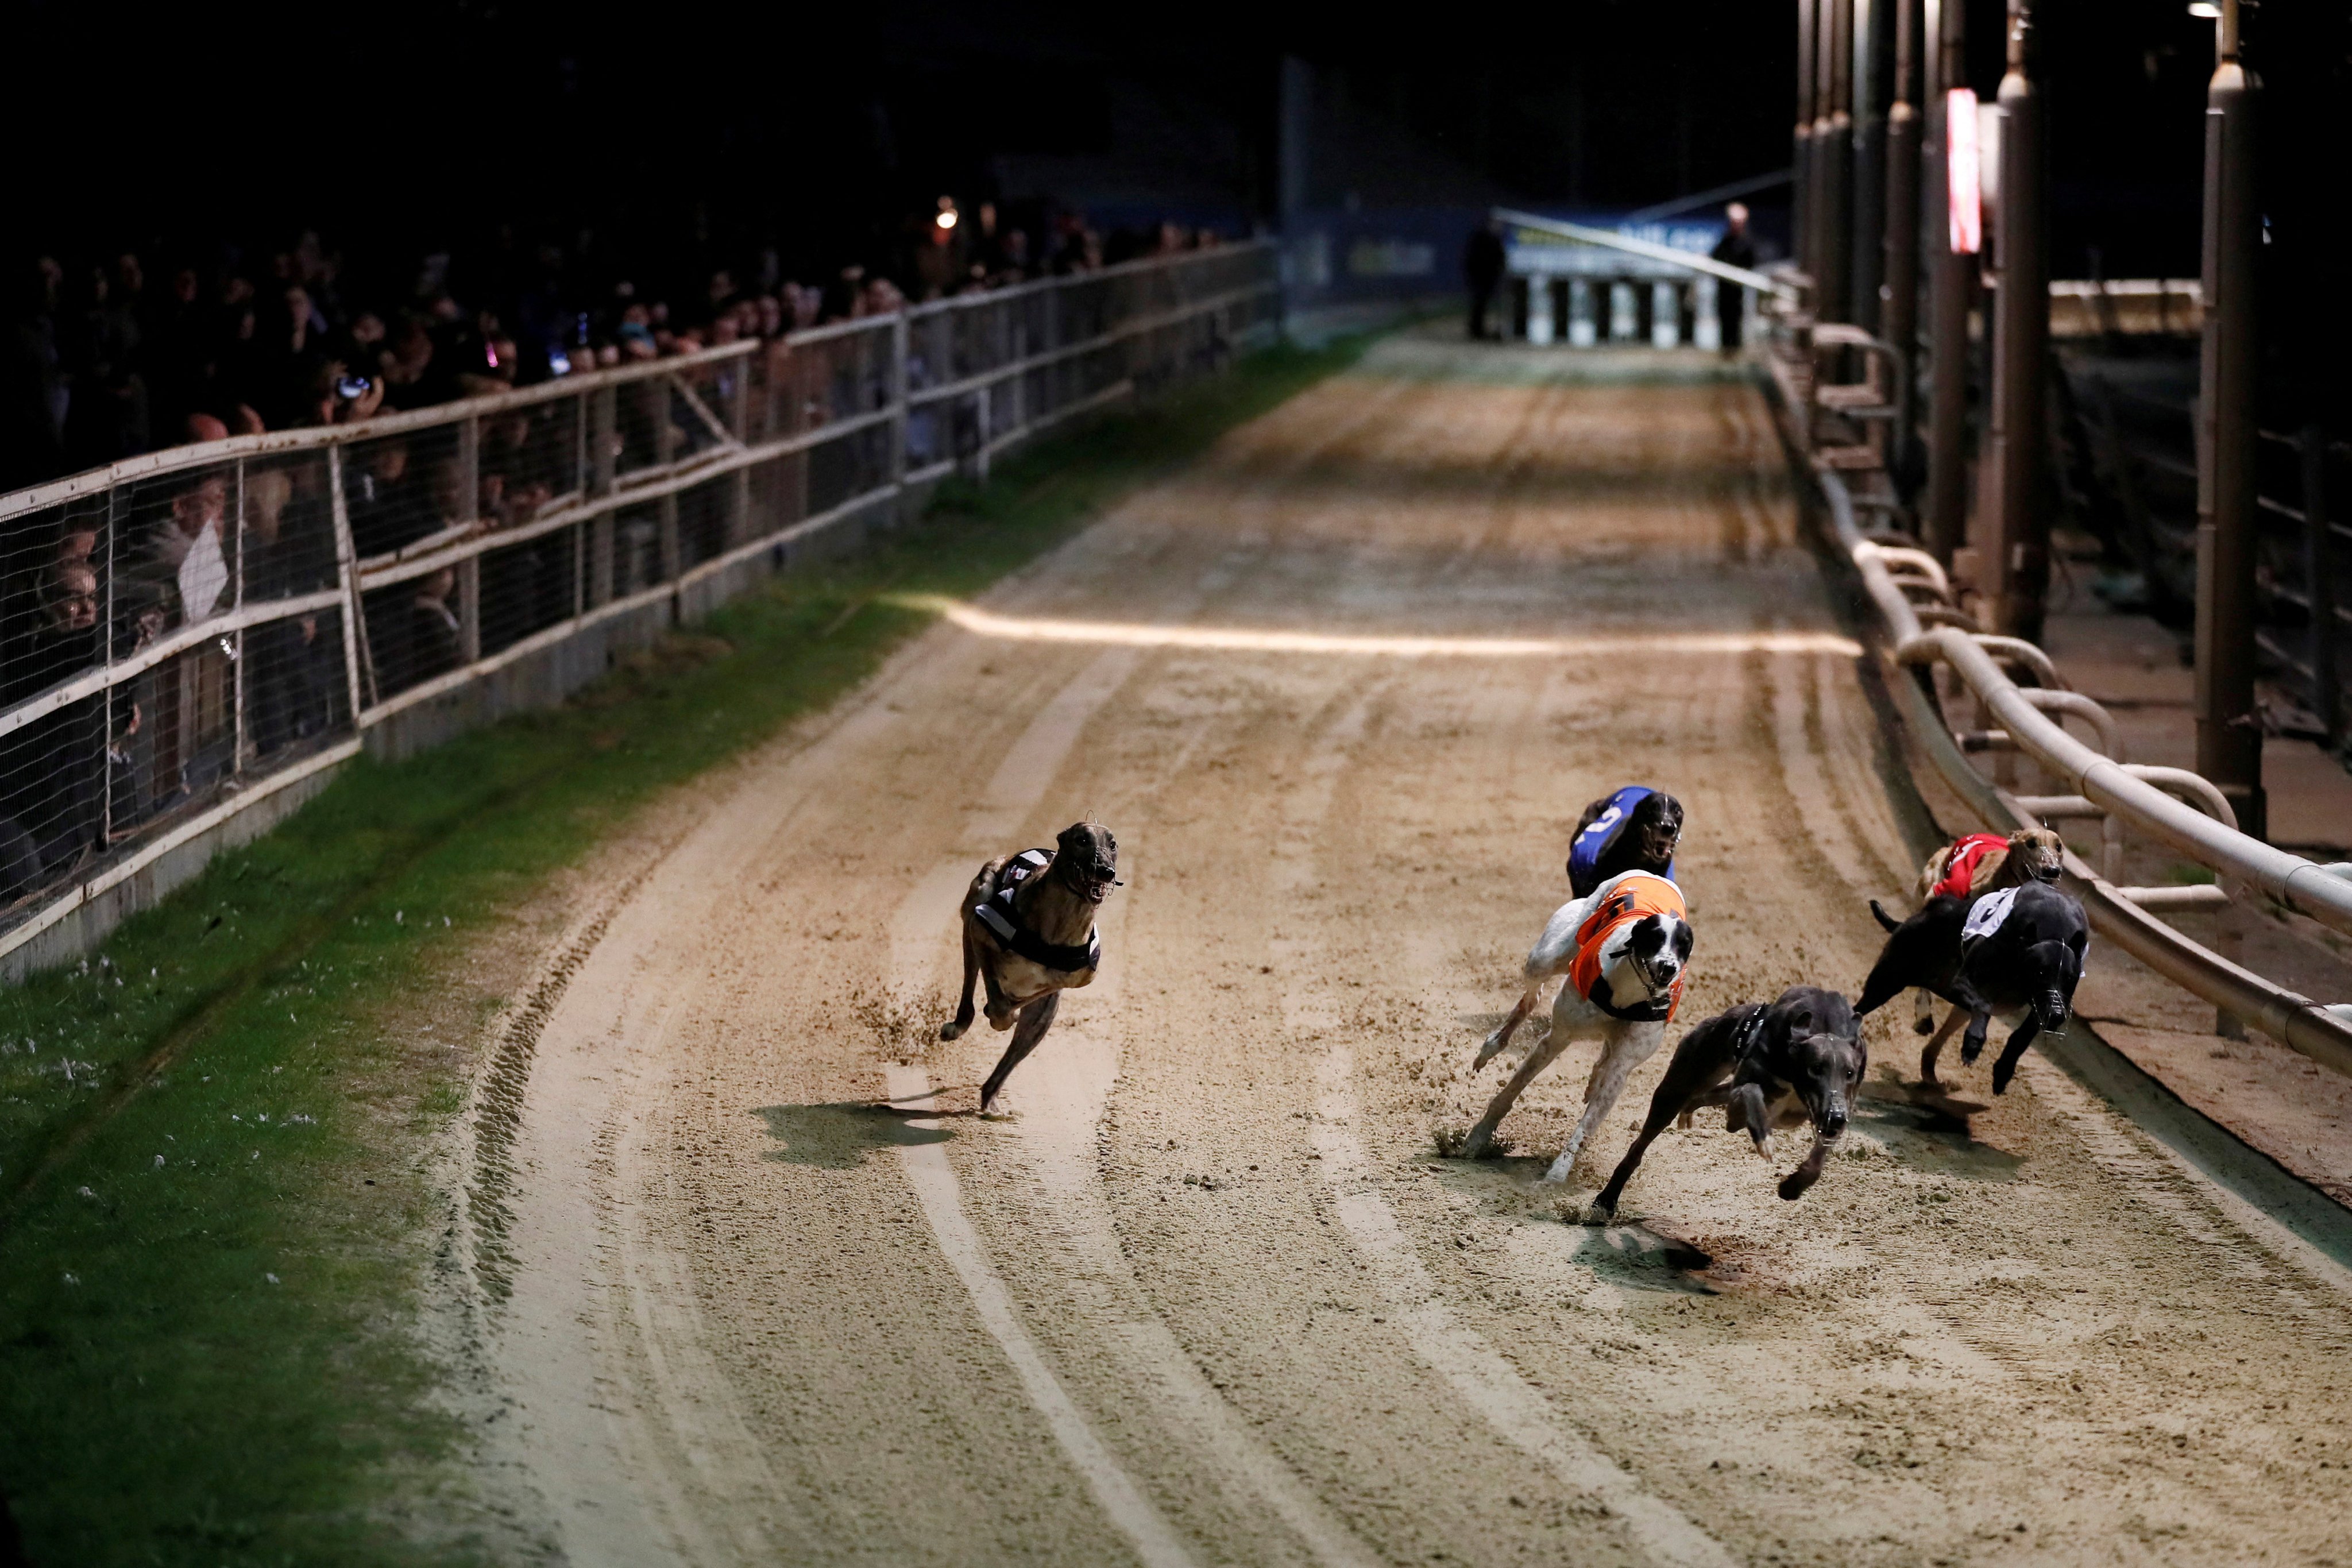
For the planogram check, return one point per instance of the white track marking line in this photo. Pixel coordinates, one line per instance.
(1140, 635)
(1486, 1382)
(935, 1186)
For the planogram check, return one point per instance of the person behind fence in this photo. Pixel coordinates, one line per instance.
(52, 770)
(1482, 265)
(1733, 250)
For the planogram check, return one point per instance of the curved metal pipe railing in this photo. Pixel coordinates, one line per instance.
(2117, 792)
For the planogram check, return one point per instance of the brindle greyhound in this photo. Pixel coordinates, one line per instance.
(1798, 1059)
(1029, 932)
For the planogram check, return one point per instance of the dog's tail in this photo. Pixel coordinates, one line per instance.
(1889, 921)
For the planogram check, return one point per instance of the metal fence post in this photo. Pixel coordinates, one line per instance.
(666, 442)
(2319, 584)
(1833, 157)
(2229, 724)
(739, 422)
(469, 570)
(348, 579)
(604, 423)
(898, 397)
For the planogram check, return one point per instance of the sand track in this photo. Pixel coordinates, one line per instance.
(777, 1295)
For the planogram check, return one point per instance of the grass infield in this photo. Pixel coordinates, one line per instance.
(215, 1221)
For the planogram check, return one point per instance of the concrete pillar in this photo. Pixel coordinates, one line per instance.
(1539, 308)
(1583, 331)
(1624, 313)
(1665, 314)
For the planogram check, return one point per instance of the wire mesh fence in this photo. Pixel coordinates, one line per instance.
(187, 632)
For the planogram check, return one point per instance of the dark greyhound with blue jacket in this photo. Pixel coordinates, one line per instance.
(1634, 829)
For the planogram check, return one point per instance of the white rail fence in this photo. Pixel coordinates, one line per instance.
(186, 633)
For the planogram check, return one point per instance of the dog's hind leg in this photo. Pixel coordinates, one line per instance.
(1626, 1048)
(1925, 1023)
(1475, 1145)
(2005, 1069)
(962, 1020)
(1935, 1047)
(1035, 1020)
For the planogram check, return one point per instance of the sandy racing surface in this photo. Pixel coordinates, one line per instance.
(1209, 1297)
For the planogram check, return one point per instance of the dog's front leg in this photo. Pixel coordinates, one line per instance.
(1627, 1046)
(1036, 1019)
(2005, 1069)
(971, 978)
(1475, 1145)
(1793, 1184)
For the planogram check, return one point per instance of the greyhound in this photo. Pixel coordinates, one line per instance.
(1798, 1059)
(1634, 829)
(1984, 863)
(2020, 948)
(1624, 950)
(1029, 932)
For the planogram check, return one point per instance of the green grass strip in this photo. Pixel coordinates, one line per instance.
(213, 1217)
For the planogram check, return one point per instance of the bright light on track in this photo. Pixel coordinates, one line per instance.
(1243, 639)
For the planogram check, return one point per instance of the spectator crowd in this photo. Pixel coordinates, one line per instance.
(116, 355)
(106, 361)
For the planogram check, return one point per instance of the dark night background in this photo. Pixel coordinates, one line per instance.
(658, 142)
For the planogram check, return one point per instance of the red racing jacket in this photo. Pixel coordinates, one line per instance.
(1960, 870)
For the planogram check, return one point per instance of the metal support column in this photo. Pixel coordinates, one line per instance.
(2017, 563)
(1952, 293)
(1863, 271)
(2229, 725)
(2319, 584)
(1801, 154)
(1899, 315)
(1833, 160)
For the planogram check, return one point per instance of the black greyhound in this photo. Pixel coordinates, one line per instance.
(1796, 1059)
(2020, 948)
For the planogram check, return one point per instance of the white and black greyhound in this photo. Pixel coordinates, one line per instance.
(1623, 951)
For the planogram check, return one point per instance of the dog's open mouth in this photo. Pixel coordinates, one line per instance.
(1096, 885)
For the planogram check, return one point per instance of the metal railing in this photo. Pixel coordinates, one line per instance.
(1925, 627)
(185, 634)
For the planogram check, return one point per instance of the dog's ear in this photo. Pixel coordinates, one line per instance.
(1685, 939)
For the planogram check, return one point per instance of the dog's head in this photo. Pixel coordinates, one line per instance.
(1086, 858)
(1660, 946)
(1657, 827)
(1812, 1041)
(2037, 854)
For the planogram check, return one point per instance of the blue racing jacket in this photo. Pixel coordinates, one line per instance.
(1584, 854)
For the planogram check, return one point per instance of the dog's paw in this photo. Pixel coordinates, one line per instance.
(952, 1031)
(1793, 1186)
(1454, 1143)
(1923, 1025)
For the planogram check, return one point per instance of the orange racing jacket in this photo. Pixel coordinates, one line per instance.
(1639, 893)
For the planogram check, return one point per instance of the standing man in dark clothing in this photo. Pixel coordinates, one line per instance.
(1733, 250)
(1482, 263)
